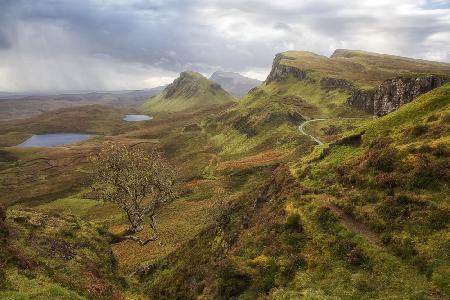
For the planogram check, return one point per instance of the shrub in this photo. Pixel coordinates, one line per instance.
(432, 118)
(440, 151)
(371, 196)
(421, 263)
(231, 283)
(293, 222)
(4, 253)
(325, 217)
(437, 130)
(427, 172)
(380, 143)
(387, 180)
(442, 279)
(363, 282)
(264, 279)
(417, 130)
(381, 159)
(439, 218)
(403, 246)
(396, 207)
(446, 118)
(287, 268)
(356, 257)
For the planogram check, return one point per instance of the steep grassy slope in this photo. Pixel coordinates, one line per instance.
(392, 175)
(366, 218)
(190, 91)
(56, 257)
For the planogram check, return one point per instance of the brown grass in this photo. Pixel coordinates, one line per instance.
(257, 159)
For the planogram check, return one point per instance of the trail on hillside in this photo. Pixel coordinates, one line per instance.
(301, 127)
(356, 226)
(302, 131)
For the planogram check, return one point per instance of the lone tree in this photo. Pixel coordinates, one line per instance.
(137, 182)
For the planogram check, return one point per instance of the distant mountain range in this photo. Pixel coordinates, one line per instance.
(234, 83)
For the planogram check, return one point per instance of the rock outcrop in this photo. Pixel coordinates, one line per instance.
(330, 83)
(363, 100)
(393, 93)
(280, 72)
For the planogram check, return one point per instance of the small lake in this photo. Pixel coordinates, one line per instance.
(54, 139)
(137, 118)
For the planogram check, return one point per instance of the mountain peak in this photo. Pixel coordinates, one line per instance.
(234, 83)
(190, 91)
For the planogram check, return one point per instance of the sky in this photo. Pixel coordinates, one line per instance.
(66, 45)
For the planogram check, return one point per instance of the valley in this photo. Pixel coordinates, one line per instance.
(299, 189)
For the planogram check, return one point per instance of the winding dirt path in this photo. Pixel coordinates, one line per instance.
(356, 226)
(301, 128)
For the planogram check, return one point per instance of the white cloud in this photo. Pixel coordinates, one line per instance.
(118, 44)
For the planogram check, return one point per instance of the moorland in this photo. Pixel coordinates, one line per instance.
(295, 190)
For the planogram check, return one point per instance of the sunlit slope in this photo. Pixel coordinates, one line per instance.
(393, 175)
(364, 69)
(191, 91)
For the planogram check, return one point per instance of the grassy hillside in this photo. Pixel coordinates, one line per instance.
(263, 211)
(190, 91)
(366, 217)
(392, 175)
(364, 69)
(56, 257)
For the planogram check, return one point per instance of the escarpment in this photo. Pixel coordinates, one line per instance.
(280, 71)
(393, 93)
(375, 83)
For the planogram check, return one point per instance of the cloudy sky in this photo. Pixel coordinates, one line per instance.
(131, 44)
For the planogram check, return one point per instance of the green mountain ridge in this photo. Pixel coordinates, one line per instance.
(190, 91)
(364, 69)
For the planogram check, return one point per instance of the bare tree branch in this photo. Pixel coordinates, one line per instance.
(136, 181)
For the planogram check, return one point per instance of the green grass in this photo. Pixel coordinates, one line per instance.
(395, 182)
(58, 256)
(40, 287)
(71, 205)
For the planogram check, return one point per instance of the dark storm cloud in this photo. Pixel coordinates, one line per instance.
(120, 43)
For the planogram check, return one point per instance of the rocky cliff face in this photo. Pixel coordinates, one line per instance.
(280, 72)
(393, 93)
(363, 100)
(330, 83)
